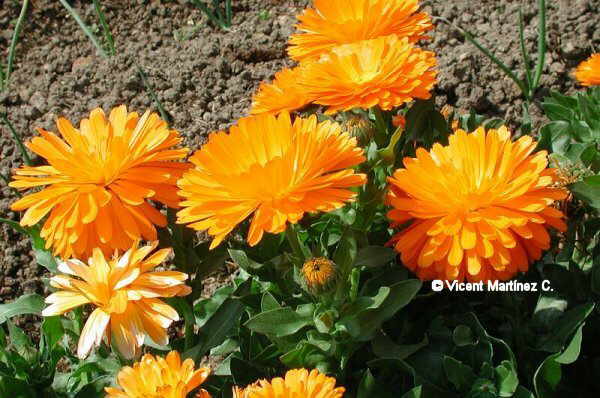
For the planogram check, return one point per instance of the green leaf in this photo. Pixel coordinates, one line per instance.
(52, 330)
(413, 393)
(306, 355)
(506, 379)
(463, 336)
(24, 305)
(459, 374)
(215, 330)
(549, 374)
(367, 386)
(278, 322)
(375, 256)
(268, 302)
(242, 261)
(565, 327)
(15, 388)
(384, 347)
(345, 252)
(364, 325)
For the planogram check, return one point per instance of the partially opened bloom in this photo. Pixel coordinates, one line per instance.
(479, 208)
(297, 383)
(319, 273)
(588, 72)
(125, 293)
(100, 181)
(386, 72)
(335, 22)
(158, 377)
(282, 94)
(272, 169)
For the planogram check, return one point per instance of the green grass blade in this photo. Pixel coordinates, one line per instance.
(228, 15)
(13, 42)
(541, 58)
(14, 224)
(107, 34)
(467, 35)
(2, 78)
(214, 18)
(524, 51)
(163, 113)
(85, 28)
(17, 139)
(497, 61)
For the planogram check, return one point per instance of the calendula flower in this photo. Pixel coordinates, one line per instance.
(359, 127)
(478, 208)
(100, 181)
(335, 22)
(319, 273)
(158, 377)
(124, 292)
(385, 72)
(297, 383)
(588, 72)
(271, 168)
(283, 94)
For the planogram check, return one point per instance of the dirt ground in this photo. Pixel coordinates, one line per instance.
(205, 81)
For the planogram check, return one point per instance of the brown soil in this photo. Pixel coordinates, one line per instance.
(205, 83)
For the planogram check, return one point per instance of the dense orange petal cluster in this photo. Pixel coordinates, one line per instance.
(272, 168)
(478, 208)
(157, 377)
(125, 293)
(335, 22)
(588, 72)
(99, 181)
(283, 94)
(386, 72)
(297, 383)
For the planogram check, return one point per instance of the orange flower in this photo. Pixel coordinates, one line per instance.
(297, 383)
(334, 22)
(283, 94)
(588, 72)
(125, 293)
(271, 168)
(387, 72)
(99, 180)
(479, 208)
(157, 377)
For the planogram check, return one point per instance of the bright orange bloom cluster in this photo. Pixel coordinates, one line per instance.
(125, 292)
(385, 72)
(588, 72)
(297, 383)
(283, 94)
(157, 377)
(272, 168)
(336, 22)
(100, 179)
(478, 208)
(354, 54)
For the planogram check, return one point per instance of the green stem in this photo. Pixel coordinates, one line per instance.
(13, 224)
(524, 52)
(107, 34)
(15, 38)
(541, 59)
(163, 113)
(17, 139)
(381, 126)
(291, 235)
(84, 27)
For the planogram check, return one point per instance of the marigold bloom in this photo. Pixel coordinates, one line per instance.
(479, 207)
(125, 292)
(335, 22)
(283, 94)
(271, 168)
(158, 377)
(588, 72)
(99, 180)
(297, 383)
(387, 72)
(319, 273)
